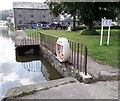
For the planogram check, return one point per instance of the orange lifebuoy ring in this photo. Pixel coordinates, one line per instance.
(62, 49)
(62, 56)
(59, 52)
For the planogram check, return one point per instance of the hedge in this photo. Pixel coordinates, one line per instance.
(105, 27)
(96, 27)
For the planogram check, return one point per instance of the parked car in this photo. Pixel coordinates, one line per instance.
(47, 26)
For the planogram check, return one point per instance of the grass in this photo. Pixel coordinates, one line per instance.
(104, 54)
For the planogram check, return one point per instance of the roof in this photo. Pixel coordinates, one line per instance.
(30, 5)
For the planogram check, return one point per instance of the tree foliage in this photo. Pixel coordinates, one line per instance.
(86, 11)
(94, 11)
(4, 14)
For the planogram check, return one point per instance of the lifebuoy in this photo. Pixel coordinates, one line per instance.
(62, 49)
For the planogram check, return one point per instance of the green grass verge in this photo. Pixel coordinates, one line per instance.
(104, 54)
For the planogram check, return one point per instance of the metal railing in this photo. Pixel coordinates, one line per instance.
(78, 57)
(32, 39)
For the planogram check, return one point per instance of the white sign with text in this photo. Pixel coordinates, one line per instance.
(105, 22)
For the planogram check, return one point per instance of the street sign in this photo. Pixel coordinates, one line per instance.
(105, 22)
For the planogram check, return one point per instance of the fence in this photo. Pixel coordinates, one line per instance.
(32, 39)
(78, 57)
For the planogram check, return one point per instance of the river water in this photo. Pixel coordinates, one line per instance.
(24, 70)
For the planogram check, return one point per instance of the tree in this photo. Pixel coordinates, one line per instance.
(4, 14)
(57, 8)
(87, 11)
(94, 11)
(71, 8)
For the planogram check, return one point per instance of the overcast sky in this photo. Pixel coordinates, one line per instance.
(8, 4)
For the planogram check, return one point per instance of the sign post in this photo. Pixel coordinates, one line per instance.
(108, 39)
(105, 22)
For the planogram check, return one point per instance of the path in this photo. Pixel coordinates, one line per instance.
(96, 69)
(68, 88)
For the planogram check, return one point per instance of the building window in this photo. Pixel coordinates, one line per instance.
(32, 21)
(43, 16)
(19, 10)
(20, 21)
(31, 16)
(20, 15)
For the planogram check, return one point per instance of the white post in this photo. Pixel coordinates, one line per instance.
(105, 22)
(101, 36)
(108, 39)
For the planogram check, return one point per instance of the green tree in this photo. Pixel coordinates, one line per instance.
(57, 8)
(94, 11)
(87, 11)
(4, 14)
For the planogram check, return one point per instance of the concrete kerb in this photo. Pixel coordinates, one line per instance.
(33, 88)
(105, 75)
(102, 72)
(86, 78)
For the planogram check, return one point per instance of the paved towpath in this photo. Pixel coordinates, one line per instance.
(97, 69)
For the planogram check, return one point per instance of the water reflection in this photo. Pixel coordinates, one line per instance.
(6, 33)
(37, 66)
(33, 63)
(33, 66)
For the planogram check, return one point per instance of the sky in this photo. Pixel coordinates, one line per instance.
(8, 4)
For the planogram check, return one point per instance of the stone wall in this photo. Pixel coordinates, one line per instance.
(63, 68)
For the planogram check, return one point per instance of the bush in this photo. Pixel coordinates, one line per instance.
(106, 27)
(96, 27)
(89, 32)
